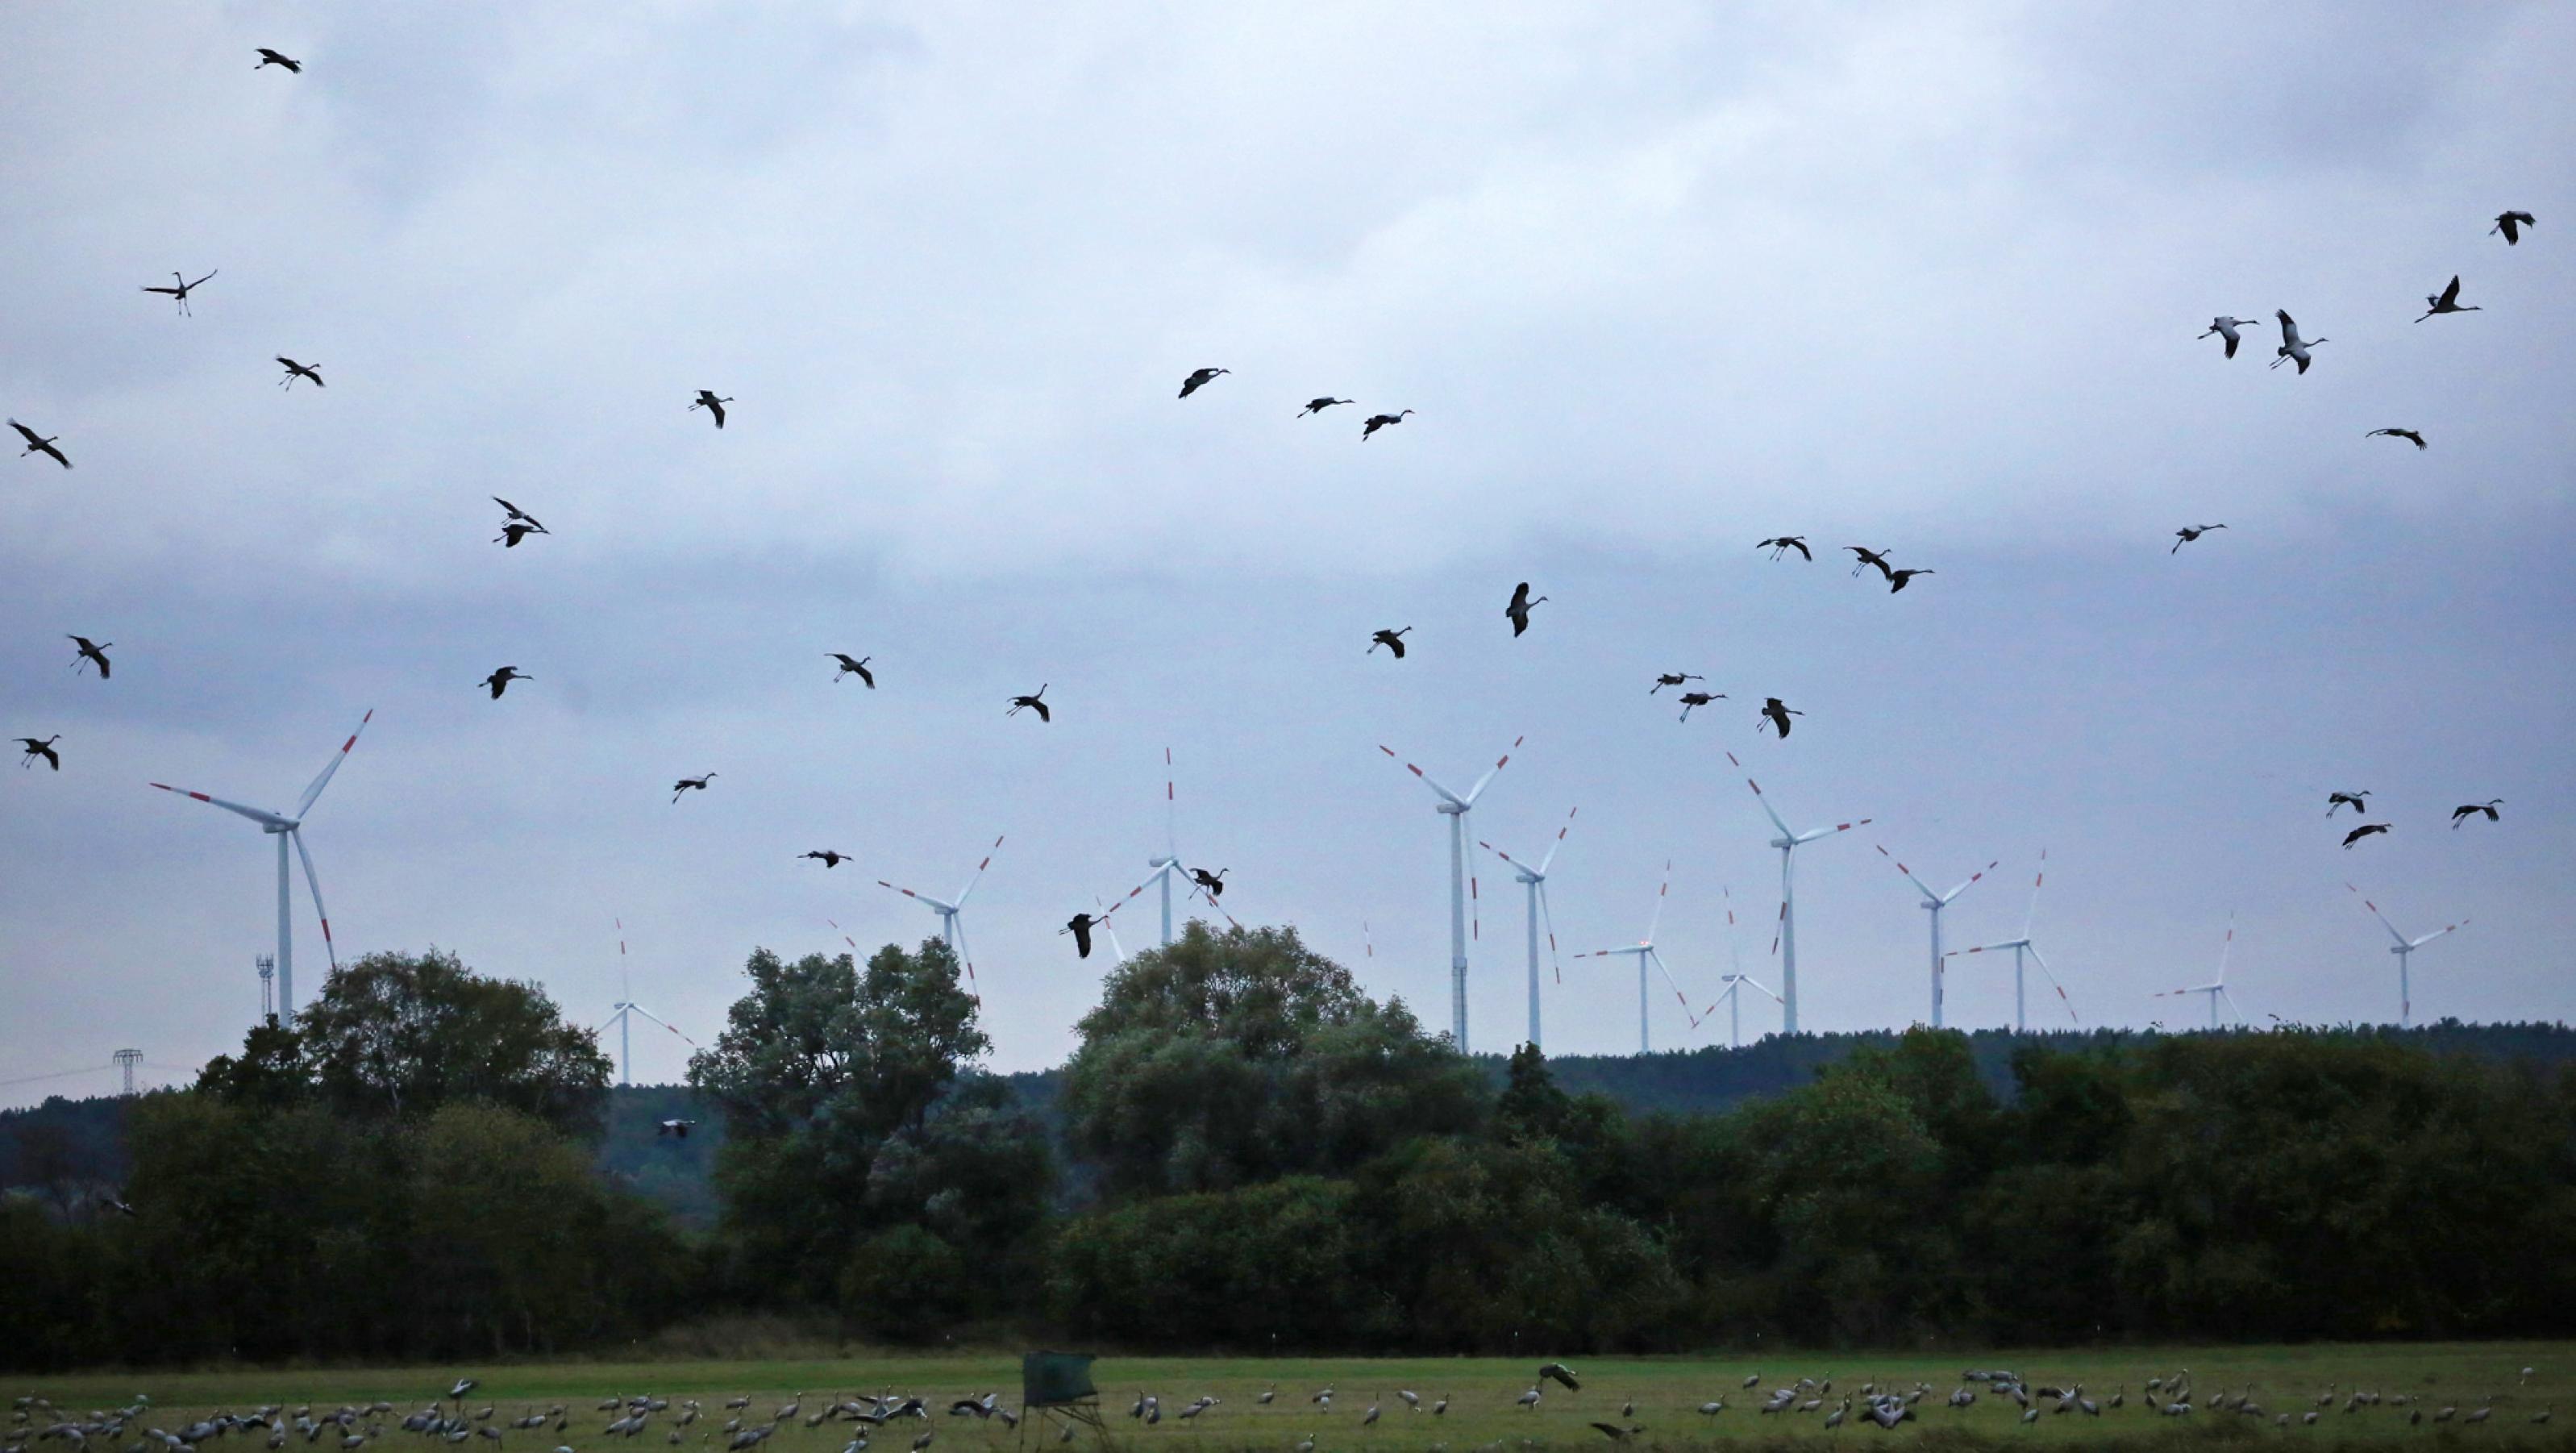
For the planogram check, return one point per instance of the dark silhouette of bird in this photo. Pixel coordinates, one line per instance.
(1672, 678)
(45, 749)
(827, 857)
(1392, 640)
(676, 1129)
(37, 444)
(2447, 301)
(1519, 609)
(1212, 883)
(691, 784)
(1867, 558)
(1314, 406)
(1698, 698)
(516, 513)
(1031, 702)
(714, 406)
(2226, 328)
(1778, 714)
(2293, 347)
(1617, 1434)
(2363, 831)
(2510, 224)
(94, 652)
(858, 668)
(2352, 800)
(269, 58)
(1559, 1372)
(295, 370)
(1898, 579)
(2189, 533)
(499, 681)
(2409, 435)
(1380, 421)
(2467, 810)
(512, 534)
(180, 293)
(1199, 379)
(1780, 544)
(1080, 926)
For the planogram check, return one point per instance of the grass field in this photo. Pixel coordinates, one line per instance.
(1666, 1392)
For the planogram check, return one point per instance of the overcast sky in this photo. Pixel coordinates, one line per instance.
(1659, 279)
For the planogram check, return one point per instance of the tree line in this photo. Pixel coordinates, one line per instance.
(1248, 1152)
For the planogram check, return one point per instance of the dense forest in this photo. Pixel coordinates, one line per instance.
(1247, 1151)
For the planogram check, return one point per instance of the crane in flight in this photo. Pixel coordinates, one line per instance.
(858, 668)
(2409, 435)
(2367, 829)
(2293, 347)
(827, 857)
(1031, 702)
(180, 292)
(1317, 406)
(2189, 533)
(1080, 926)
(1777, 713)
(2467, 810)
(1698, 698)
(2226, 328)
(499, 681)
(1672, 678)
(691, 784)
(1896, 579)
(1200, 378)
(1868, 557)
(1392, 640)
(38, 444)
(2446, 301)
(295, 370)
(269, 58)
(1780, 545)
(2353, 800)
(94, 652)
(1519, 609)
(1213, 884)
(714, 406)
(2510, 223)
(33, 749)
(1380, 421)
(512, 534)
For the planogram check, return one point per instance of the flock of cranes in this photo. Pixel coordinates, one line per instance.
(519, 526)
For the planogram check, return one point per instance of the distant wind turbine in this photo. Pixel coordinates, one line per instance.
(2404, 948)
(1788, 843)
(2216, 988)
(1534, 881)
(951, 914)
(1455, 808)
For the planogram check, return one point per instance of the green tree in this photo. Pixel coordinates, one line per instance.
(1229, 1059)
(402, 1035)
(270, 1073)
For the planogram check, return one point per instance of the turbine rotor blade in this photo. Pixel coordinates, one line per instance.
(304, 804)
(2375, 913)
(1972, 879)
(1547, 916)
(1908, 872)
(313, 881)
(2044, 972)
(1660, 893)
(979, 875)
(2437, 933)
(1765, 802)
(1427, 779)
(666, 1024)
(1499, 762)
(264, 819)
(1560, 841)
(2035, 880)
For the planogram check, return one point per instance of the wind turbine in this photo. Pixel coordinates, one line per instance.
(1644, 949)
(951, 927)
(2404, 948)
(1935, 902)
(285, 828)
(1534, 880)
(627, 1008)
(1456, 808)
(2216, 988)
(1788, 843)
(1735, 981)
(1168, 864)
(2021, 946)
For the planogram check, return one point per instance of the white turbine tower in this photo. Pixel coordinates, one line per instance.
(2021, 946)
(1788, 843)
(286, 827)
(1166, 866)
(1534, 881)
(2216, 988)
(1735, 981)
(627, 1008)
(2404, 948)
(1456, 808)
(951, 925)
(1935, 902)
(1645, 951)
